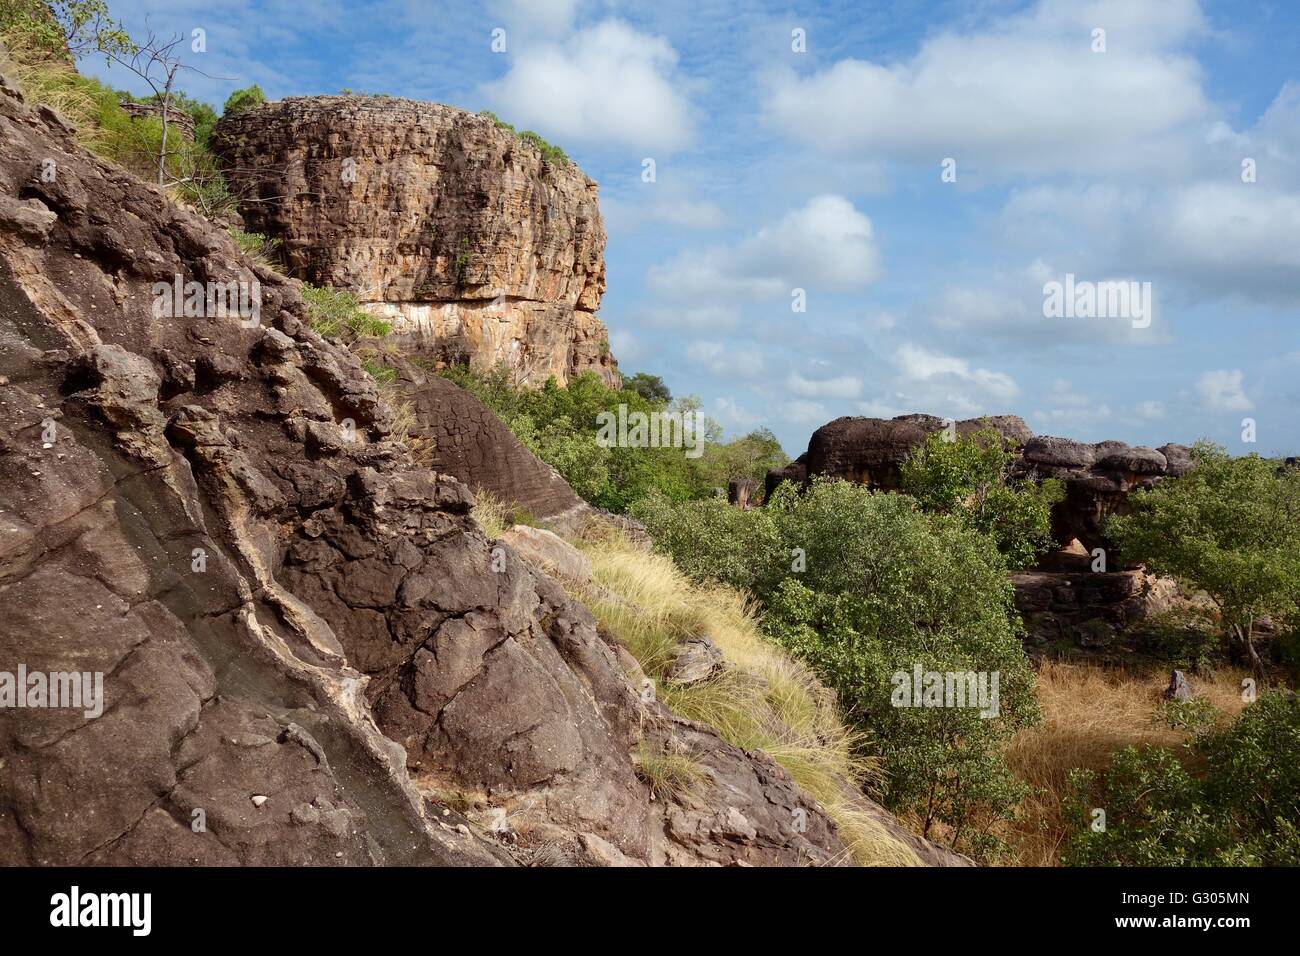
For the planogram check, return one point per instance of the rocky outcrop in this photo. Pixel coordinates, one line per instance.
(1097, 478)
(1065, 604)
(468, 441)
(472, 242)
(310, 653)
(1068, 608)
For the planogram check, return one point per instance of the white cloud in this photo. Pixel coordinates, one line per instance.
(919, 364)
(825, 242)
(1151, 410)
(605, 84)
(1025, 93)
(726, 360)
(843, 386)
(1222, 391)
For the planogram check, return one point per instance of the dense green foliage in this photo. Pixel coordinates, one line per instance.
(865, 586)
(650, 387)
(1234, 800)
(62, 28)
(244, 99)
(560, 425)
(968, 476)
(1229, 528)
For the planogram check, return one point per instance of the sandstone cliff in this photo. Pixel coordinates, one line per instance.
(310, 651)
(475, 245)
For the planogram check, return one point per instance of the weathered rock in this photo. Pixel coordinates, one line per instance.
(1179, 687)
(695, 659)
(1096, 613)
(796, 472)
(1098, 479)
(871, 451)
(548, 552)
(742, 492)
(473, 243)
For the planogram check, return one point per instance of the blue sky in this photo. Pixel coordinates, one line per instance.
(820, 170)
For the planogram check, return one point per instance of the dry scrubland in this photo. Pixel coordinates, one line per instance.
(1089, 712)
(771, 702)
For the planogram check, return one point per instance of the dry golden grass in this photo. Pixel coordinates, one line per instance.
(47, 80)
(764, 700)
(1090, 712)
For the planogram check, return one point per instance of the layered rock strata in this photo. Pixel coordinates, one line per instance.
(470, 240)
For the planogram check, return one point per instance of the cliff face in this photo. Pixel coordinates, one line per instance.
(459, 232)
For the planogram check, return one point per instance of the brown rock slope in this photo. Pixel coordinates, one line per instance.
(472, 242)
(309, 649)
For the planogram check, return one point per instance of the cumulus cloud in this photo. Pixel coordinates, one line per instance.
(826, 242)
(1025, 93)
(919, 364)
(1222, 390)
(606, 84)
(843, 386)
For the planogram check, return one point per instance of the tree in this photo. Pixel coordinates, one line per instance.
(1235, 800)
(244, 99)
(969, 477)
(64, 28)
(865, 586)
(650, 387)
(1230, 528)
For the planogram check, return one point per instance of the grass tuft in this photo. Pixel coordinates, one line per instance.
(762, 700)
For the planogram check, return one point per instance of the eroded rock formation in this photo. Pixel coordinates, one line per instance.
(310, 652)
(475, 245)
(1098, 478)
(1064, 602)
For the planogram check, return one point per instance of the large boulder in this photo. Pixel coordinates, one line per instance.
(476, 244)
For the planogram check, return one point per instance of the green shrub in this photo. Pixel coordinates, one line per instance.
(969, 476)
(1234, 800)
(244, 99)
(1230, 528)
(332, 311)
(864, 587)
(650, 387)
(559, 424)
(254, 244)
(550, 152)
